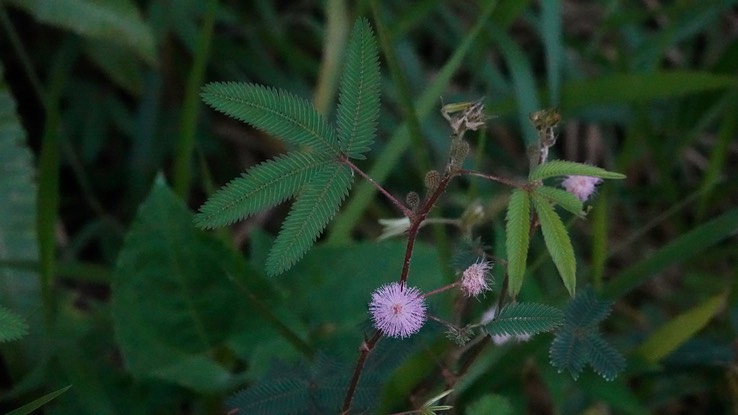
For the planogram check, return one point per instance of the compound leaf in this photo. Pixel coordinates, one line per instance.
(557, 242)
(525, 319)
(606, 361)
(12, 326)
(275, 112)
(261, 187)
(569, 168)
(314, 207)
(517, 238)
(562, 198)
(579, 341)
(358, 103)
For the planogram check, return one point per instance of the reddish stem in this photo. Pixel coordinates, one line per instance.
(365, 349)
(405, 211)
(490, 177)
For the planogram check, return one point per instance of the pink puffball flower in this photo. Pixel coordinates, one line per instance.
(474, 280)
(397, 311)
(581, 186)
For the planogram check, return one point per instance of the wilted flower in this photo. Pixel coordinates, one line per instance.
(393, 227)
(581, 186)
(397, 311)
(474, 280)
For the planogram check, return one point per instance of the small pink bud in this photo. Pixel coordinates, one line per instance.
(581, 186)
(474, 280)
(397, 311)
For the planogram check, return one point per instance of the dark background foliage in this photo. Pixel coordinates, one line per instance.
(109, 150)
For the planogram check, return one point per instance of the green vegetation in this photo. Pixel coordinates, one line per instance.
(130, 284)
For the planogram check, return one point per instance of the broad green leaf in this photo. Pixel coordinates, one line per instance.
(562, 198)
(275, 112)
(12, 326)
(172, 301)
(37, 403)
(623, 88)
(569, 168)
(358, 104)
(261, 187)
(314, 208)
(117, 21)
(680, 329)
(525, 319)
(517, 238)
(557, 242)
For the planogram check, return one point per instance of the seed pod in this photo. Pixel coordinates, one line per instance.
(412, 199)
(432, 179)
(459, 151)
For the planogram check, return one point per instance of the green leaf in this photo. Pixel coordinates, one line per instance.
(117, 21)
(605, 360)
(172, 302)
(37, 403)
(679, 250)
(624, 88)
(525, 319)
(275, 112)
(562, 198)
(579, 342)
(311, 212)
(261, 187)
(569, 168)
(12, 326)
(490, 404)
(358, 105)
(557, 242)
(680, 329)
(19, 289)
(517, 238)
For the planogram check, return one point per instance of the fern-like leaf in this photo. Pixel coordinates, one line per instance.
(606, 361)
(275, 112)
(12, 326)
(557, 242)
(568, 352)
(562, 198)
(568, 168)
(517, 238)
(579, 341)
(261, 187)
(358, 103)
(314, 207)
(285, 395)
(525, 319)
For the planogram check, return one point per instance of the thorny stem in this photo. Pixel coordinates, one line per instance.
(405, 211)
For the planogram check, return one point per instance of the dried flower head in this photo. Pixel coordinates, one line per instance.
(474, 280)
(397, 311)
(581, 186)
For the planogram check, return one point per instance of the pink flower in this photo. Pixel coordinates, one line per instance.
(474, 280)
(581, 186)
(397, 311)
